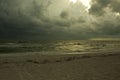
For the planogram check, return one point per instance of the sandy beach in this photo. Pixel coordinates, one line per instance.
(89, 66)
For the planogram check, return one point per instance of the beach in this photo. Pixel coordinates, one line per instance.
(89, 66)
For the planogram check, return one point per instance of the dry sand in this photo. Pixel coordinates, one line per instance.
(100, 66)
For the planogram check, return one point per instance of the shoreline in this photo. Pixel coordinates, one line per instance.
(38, 57)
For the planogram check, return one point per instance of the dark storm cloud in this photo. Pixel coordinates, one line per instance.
(107, 16)
(115, 5)
(30, 18)
(108, 25)
(98, 6)
(54, 19)
(17, 18)
(64, 14)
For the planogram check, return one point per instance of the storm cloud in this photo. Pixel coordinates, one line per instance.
(107, 15)
(99, 6)
(54, 19)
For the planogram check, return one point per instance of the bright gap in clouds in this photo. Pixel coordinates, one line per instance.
(84, 2)
(117, 14)
(73, 1)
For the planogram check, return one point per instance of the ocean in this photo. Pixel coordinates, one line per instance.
(59, 46)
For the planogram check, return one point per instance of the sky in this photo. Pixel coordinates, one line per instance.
(59, 19)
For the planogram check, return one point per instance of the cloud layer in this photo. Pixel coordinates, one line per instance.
(54, 19)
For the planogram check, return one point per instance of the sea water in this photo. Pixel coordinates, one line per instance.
(58, 46)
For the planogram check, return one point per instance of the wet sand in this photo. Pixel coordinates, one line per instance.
(94, 66)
